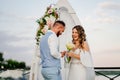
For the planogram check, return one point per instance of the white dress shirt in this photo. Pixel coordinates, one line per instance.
(53, 45)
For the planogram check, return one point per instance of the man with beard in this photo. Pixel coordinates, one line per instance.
(49, 51)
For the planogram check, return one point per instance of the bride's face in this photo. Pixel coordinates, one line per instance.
(75, 34)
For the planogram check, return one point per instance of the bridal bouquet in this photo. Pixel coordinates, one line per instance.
(69, 47)
(46, 22)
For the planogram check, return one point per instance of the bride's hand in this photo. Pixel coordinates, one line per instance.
(69, 54)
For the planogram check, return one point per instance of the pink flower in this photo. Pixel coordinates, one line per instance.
(49, 23)
(43, 30)
(50, 10)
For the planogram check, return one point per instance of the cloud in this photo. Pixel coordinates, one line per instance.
(8, 17)
(110, 51)
(108, 19)
(110, 5)
(107, 57)
(104, 60)
(8, 39)
(33, 18)
(105, 12)
(19, 48)
(17, 38)
(108, 12)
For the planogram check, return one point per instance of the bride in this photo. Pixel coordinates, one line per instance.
(81, 66)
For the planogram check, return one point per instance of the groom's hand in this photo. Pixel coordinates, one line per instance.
(70, 54)
(63, 53)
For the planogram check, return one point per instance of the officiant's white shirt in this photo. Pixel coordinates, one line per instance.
(53, 45)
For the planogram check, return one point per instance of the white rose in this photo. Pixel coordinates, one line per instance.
(52, 18)
(41, 21)
(70, 46)
(46, 18)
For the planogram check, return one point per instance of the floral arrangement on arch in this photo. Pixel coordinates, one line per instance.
(46, 22)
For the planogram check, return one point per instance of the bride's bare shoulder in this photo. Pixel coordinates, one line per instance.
(86, 46)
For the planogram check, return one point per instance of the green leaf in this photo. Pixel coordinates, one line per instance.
(38, 21)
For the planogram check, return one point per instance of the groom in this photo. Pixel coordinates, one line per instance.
(49, 51)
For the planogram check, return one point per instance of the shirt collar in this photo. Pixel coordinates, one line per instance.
(52, 31)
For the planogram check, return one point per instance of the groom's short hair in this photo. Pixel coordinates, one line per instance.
(60, 22)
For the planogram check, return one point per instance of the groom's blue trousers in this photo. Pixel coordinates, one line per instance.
(51, 73)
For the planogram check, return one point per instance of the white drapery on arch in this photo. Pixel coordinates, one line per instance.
(35, 73)
(66, 36)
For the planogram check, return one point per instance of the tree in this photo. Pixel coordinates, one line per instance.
(1, 57)
(11, 64)
(1, 60)
(22, 65)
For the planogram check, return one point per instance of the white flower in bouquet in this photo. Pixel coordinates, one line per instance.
(69, 47)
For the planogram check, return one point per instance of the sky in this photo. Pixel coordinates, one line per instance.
(100, 18)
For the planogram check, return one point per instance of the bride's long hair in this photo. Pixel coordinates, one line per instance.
(81, 33)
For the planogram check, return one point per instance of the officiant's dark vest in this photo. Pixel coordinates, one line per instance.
(47, 59)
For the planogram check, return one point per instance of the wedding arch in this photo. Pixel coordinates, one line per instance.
(66, 14)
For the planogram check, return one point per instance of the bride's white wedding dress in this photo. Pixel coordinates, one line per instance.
(78, 70)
